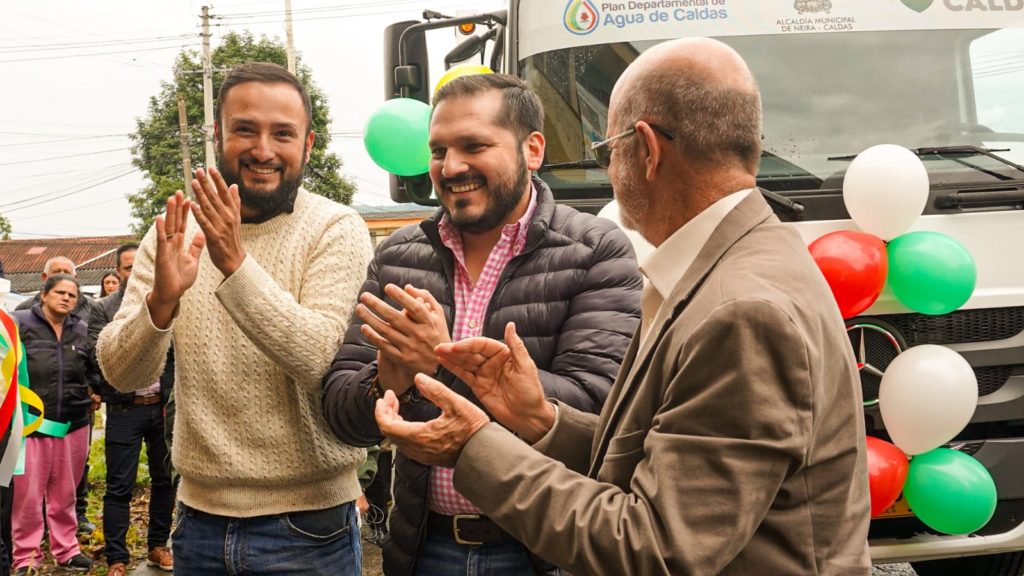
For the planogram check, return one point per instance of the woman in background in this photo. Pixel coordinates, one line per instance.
(58, 350)
(108, 285)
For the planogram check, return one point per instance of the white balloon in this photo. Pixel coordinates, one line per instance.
(928, 395)
(885, 190)
(640, 244)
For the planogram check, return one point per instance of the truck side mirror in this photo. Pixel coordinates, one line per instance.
(413, 74)
(411, 77)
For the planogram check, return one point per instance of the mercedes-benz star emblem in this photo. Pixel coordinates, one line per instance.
(874, 348)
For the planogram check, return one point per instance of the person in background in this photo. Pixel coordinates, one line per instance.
(61, 371)
(60, 265)
(133, 419)
(109, 284)
(83, 309)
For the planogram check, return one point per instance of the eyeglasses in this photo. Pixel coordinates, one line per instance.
(603, 152)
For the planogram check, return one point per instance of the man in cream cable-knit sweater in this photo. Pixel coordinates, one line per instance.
(255, 286)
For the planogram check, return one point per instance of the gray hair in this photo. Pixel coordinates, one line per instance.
(712, 122)
(48, 267)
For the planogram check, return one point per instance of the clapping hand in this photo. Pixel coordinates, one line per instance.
(505, 379)
(218, 210)
(405, 338)
(437, 442)
(176, 267)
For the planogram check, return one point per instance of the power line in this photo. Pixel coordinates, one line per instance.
(63, 157)
(133, 62)
(80, 190)
(89, 44)
(59, 172)
(94, 173)
(65, 186)
(84, 32)
(58, 141)
(51, 213)
(85, 55)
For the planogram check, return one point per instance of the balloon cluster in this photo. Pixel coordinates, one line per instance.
(396, 134)
(928, 393)
(885, 190)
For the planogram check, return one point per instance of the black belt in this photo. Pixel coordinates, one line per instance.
(469, 529)
(146, 400)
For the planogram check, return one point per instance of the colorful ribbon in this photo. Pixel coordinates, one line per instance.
(17, 424)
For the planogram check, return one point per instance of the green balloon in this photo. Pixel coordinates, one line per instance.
(396, 136)
(950, 491)
(930, 273)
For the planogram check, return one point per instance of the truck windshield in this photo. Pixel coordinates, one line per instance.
(826, 96)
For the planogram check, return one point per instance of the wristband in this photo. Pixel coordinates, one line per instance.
(376, 391)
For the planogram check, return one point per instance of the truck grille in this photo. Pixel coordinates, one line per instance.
(960, 326)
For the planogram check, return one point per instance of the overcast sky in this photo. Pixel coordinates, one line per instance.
(76, 75)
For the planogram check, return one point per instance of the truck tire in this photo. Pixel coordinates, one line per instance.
(1009, 564)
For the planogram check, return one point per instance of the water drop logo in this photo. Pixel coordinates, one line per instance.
(918, 5)
(581, 17)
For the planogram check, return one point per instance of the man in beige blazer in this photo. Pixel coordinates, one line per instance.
(733, 438)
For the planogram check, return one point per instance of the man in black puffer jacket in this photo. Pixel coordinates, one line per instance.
(499, 251)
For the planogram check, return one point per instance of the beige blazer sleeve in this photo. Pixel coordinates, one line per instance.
(680, 491)
(572, 430)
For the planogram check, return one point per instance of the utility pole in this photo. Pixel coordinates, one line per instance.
(186, 157)
(207, 90)
(288, 33)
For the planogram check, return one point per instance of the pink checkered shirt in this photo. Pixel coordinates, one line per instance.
(470, 307)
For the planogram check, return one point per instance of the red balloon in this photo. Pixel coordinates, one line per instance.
(887, 470)
(854, 265)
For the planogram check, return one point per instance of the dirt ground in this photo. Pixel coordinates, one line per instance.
(371, 557)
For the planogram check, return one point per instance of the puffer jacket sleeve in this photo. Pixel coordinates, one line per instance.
(602, 316)
(347, 404)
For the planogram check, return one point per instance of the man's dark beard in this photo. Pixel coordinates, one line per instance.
(268, 204)
(503, 199)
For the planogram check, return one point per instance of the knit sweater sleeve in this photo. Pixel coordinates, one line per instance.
(302, 334)
(131, 351)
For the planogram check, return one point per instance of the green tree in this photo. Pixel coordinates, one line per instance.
(156, 145)
(5, 228)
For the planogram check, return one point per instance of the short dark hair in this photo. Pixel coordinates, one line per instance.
(52, 281)
(712, 122)
(521, 110)
(129, 247)
(263, 72)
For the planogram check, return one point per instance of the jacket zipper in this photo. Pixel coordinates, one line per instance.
(60, 372)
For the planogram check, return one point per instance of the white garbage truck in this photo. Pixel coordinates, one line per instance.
(943, 78)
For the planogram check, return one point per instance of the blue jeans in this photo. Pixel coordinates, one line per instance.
(441, 556)
(319, 542)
